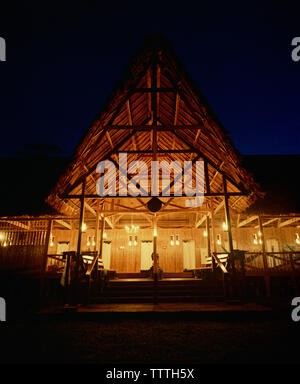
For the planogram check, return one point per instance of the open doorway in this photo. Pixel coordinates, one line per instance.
(146, 252)
(106, 253)
(272, 245)
(189, 261)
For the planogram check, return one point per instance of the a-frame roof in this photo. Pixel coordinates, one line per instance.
(155, 90)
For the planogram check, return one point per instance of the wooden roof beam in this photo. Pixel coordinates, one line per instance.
(64, 223)
(288, 222)
(216, 210)
(220, 206)
(130, 122)
(201, 221)
(215, 175)
(247, 221)
(92, 169)
(109, 222)
(217, 168)
(89, 208)
(268, 222)
(18, 224)
(177, 104)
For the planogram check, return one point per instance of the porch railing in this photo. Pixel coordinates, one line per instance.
(276, 262)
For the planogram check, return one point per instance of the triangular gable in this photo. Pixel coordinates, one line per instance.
(155, 89)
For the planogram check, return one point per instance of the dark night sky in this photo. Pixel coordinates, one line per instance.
(63, 59)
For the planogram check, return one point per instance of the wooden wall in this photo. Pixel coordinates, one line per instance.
(23, 244)
(128, 259)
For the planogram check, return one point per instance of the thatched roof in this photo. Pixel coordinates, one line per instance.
(180, 104)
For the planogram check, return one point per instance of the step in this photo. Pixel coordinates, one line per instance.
(133, 275)
(162, 291)
(178, 275)
(137, 275)
(161, 285)
(164, 299)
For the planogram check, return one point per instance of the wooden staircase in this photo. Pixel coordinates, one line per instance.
(167, 290)
(166, 275)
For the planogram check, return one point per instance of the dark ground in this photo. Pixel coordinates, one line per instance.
(155, 341)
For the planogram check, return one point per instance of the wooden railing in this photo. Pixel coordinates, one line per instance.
(221, 262)
(55, 263)
(277, 262)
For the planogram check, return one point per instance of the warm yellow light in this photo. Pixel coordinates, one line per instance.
(5, 244)
(88, 242)
(83, 227)
(260, 241)
(1, 236)
(52, 241)
(172, 240)
(225, 226)
(93, 243)
(219, 239)
(297, 238)
(132, 228)
(130, 241)
(259, 234)
(255, 239)
(154, 232)
(135, 241)
(104, 235)
(204, 233)
(177, 240)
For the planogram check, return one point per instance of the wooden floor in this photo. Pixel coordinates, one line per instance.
(172, 307)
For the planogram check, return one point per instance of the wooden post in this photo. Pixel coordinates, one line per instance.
(154, 158)
(98, 256)
(45, 261)
(101, 237)
(68, 299)
(208, 237)
(155, 261)
(47, 242)
(96, 247)
(227, 215)
(73, 236)
(213, 230)
(265, 261)
(229, 282)
(81, 220)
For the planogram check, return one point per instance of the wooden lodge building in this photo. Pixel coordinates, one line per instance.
(155, 113)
